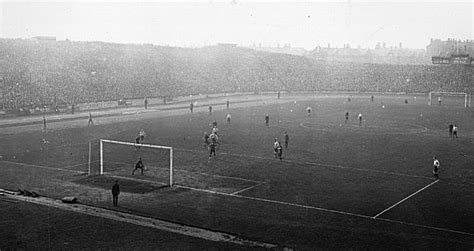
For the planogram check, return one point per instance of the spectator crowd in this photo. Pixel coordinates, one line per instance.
(52, 73)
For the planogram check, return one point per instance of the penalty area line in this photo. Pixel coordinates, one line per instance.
(406, 198)
(331, 210)
(273, 201)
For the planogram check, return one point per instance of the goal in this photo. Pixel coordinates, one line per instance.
(449, 98)
(118, 158)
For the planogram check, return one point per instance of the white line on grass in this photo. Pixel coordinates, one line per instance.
(248, 188)
(181, 170)
(45, 167)
(408, 197)
(328, 210)
(274, 201)
(427, 227)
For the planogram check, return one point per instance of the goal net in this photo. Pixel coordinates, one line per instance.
(449, 99)
(119, 158)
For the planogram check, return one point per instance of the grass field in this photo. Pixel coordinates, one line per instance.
(340, 184)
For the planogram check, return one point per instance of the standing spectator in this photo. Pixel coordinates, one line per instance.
(146, 103)
(227, 103)
(72, 108)
(347, 116)
(191, 107)
(115, 193)
(210, 109)
(267, 119)
(279, 94)
(90, 122)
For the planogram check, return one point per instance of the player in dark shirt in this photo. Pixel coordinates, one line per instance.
(206, 140)
(267, 119)
(139, 165)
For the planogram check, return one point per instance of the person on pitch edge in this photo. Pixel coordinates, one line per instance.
(435, 167)
(115, 193)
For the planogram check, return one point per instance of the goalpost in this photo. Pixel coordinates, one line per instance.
(123, 155)
(458, 98)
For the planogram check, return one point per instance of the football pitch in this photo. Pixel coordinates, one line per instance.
(341, 184)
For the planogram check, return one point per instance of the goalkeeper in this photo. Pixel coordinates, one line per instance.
(139, 165)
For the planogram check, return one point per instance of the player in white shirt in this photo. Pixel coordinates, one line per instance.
(214, 130)
(435, 167)
(228, 117)
(360, 118)
(308, 109)
(278, 149)
(213, 141)
(142, 135)
(455, 131)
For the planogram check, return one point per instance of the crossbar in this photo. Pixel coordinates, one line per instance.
(135, 144)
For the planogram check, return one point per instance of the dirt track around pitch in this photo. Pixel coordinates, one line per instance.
(138, 220)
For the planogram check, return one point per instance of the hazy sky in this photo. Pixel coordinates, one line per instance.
(196, 23)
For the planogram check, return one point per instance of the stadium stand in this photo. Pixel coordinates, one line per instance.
(53, 75)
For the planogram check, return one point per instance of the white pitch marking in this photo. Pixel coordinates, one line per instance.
(408, 197)
(248, 188)
(274, 201)
(425, 226)
(45, 167)
(205, 174)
